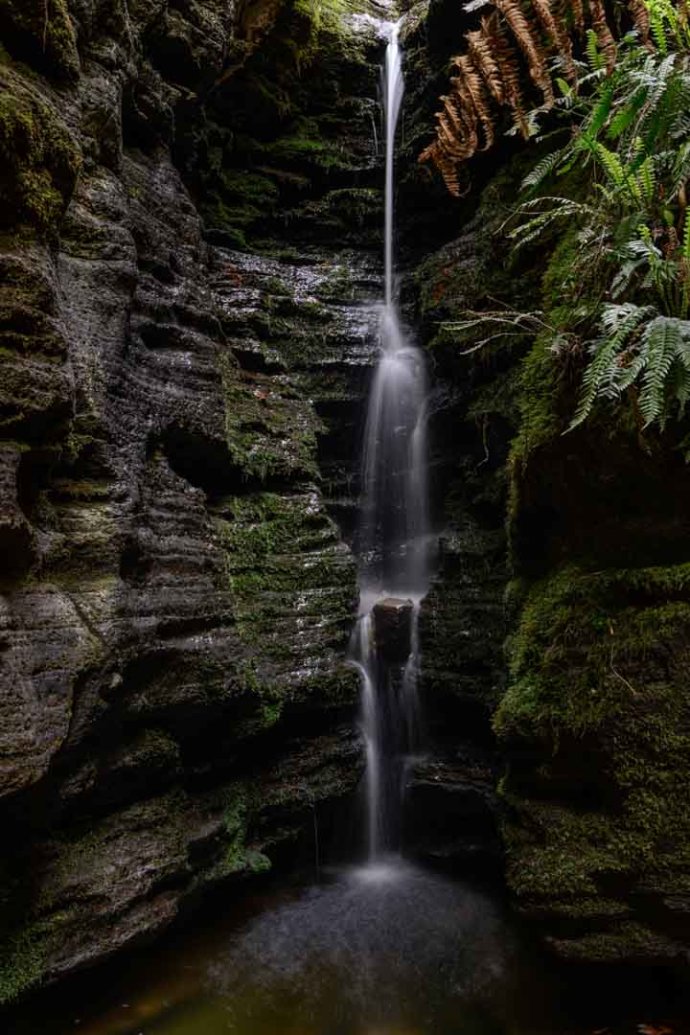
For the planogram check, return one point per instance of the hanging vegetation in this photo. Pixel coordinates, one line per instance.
(624, 293)
(520, 47)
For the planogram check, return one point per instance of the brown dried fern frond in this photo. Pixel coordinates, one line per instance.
(479, 49)
(529, 43)
(491, 71)
(641, 19)
(577, 12)
(557, 32)
(472, 90)
(458, 129)
(447, 165)
(509, 67)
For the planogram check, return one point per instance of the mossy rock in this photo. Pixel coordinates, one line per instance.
(595, 725)
(40, 158)
(572, 627)
(240, 857)
(41, 32)
(22, 960)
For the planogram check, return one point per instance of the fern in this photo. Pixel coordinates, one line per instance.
(623, 109)
(541, 172)
(638, 347)
(626, 115)
(660, 344)
(594, 56)
(534, 226)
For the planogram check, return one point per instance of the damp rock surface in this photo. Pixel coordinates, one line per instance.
(392, 627)
(178, 407)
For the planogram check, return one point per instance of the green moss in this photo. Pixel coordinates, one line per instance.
(304, 146)
(40, 159)
(599, 668)
(22, 962)
(240, 199)
(42, 31)
(339, 286)
(538, 396)
(245, 186)
(239, 857)
(311, 22)
(579, 639)
(545, 400)
(622, 942)
(271, 429)
(27, 310)
(293, 591)
(351, 208)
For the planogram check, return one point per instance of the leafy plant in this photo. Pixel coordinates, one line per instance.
(615, 188)
(638, 346)
(524, 47)
(631, 258)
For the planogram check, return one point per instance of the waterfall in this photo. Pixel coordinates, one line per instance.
(393, 89)
(393, 536)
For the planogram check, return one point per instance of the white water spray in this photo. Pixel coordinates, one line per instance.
(393, 541)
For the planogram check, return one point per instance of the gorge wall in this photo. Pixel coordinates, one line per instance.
(562, 608)
(193, 237)
(177, 435)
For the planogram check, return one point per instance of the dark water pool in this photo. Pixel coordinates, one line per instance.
(385, 950)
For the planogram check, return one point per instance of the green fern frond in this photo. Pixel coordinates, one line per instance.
(601, 112)
(686, 238)
(596, 59)
(625, 117)
(542, 171)
(646, 180)
(661, 343)
(618, 324)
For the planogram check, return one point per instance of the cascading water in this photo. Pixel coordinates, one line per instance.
(393, 541)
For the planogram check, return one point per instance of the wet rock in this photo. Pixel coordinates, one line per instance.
(452, 813)
(41, 33)
(179, 432)
(17, 541)
(392, 628)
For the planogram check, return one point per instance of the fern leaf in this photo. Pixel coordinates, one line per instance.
(605, 40)
(529, 43)
(661, 344)
(618, 324)
(542, 171)
(625, 117)
(595, 59)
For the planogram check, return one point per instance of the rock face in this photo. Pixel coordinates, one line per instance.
(177, 438)
(392, 628)
(589, 592)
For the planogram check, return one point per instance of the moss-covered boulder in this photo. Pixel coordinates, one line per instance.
(41, 159)
(41, 32)
(596, 726)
